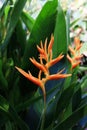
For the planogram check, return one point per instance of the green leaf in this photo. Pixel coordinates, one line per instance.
(8, 125)
(21, 35)
(3, 81)
(10, 112)
(74, 22)
(4, 106)
(28, 20)
(50, 127)
(60, 35)
(6, 11)
(3, 7)
(36, 97)
(65, 99)
(68, 26)
(72, 119)
(15, 14)
(3, 118)
(76, 99)
(84, 84)
(43, 27)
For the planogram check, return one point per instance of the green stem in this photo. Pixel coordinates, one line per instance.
(43, 115)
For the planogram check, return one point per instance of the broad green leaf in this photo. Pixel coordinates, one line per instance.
(68, 26)
(28, 20)
(4, 106)
(83, 100)
(3, 118)
(60, 35)
(27, 103)
(8, 125)
(50, 127)
(43, 28)
(21, 35)
(3, 81)
(82, 68)
(76, 99)
(14, 116)
(6, 11)
(10, 112)
(15, 14)
(30, 101)
(72, 119)
(84, 84)
(3, 7)
(65, 99)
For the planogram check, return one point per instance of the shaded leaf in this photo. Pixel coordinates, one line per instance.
(10, 112)
(60, 35)
(72, 119)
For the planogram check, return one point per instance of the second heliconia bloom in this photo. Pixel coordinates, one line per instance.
(75, 58)
(45, 54)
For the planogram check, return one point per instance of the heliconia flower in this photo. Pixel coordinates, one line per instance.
(45, 54)
(73, 52)
(35, 80)
(51, 44)
(58, 76)
(43, 50)
(29, 76)
(75, 58)
(54, 61)
(77, 43)
(38, 65)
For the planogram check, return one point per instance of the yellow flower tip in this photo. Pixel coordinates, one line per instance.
(51, 43)
(41, 44)
(41, 51)
(74, 65)
(72, 50)
(45, 46)
(77, 43)
(76, 40)
(78, 57)
(70, 59)
(78, 47)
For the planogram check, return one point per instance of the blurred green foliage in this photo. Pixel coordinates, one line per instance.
(21, 103)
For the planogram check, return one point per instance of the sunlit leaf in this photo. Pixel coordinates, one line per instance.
(28, 20)
(43, 27)
(16, 12)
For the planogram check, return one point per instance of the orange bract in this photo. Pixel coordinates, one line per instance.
(45, 54)
(75, 58)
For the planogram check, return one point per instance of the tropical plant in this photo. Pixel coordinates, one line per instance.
(59, 102)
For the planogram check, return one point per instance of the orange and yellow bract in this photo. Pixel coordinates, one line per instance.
(45, 54)
(75, 58)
